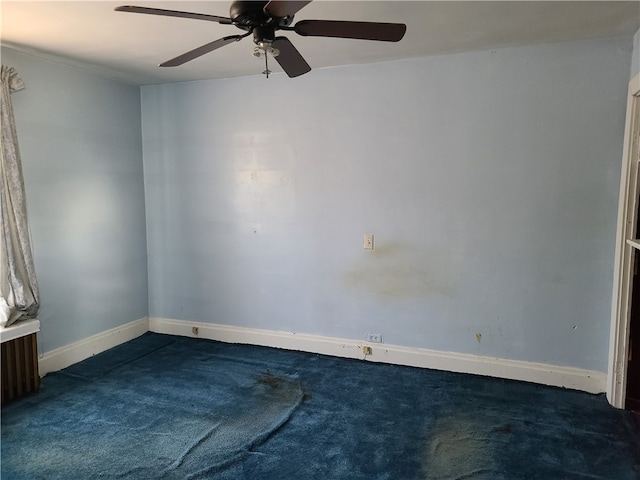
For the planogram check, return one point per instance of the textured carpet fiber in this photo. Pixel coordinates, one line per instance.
(177, 408)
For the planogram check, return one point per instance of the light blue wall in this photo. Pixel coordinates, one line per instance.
(80, 140)
(490, 181)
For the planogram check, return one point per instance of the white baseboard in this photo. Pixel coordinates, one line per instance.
(545, 374)
(76, 352)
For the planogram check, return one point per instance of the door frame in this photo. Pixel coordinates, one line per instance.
(624, 254)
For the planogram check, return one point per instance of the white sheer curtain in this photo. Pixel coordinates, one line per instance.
(19, 298)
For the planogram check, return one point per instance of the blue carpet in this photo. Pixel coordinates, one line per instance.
(177, 408)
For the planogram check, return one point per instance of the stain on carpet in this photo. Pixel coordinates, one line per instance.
(459, 449)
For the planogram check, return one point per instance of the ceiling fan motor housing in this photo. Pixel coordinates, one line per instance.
(247, 14)
(252, 16)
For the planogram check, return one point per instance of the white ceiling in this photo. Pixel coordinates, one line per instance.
(128, 47)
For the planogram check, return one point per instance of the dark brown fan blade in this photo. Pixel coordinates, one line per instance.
(197, 52)
(384, 32)
(173, 13)
(281, 9)
(289, 58)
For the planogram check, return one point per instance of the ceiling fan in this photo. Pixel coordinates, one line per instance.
(263, 18)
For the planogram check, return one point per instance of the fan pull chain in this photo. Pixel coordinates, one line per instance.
(266, 64)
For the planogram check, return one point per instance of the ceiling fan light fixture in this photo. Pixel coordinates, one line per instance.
(264, 49)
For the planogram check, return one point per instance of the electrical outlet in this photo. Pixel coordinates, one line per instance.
(194, 330)
(368, 241)
(367, 350)
(374, 337)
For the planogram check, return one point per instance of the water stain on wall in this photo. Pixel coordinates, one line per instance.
(399, 269)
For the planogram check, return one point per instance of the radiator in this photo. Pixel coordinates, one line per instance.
(19, 367)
